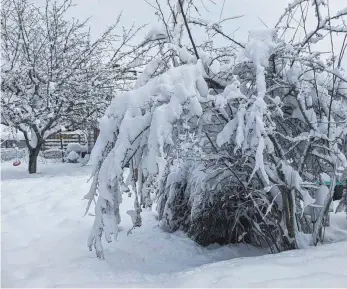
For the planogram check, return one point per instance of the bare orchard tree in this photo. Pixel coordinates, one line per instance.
(53, 75)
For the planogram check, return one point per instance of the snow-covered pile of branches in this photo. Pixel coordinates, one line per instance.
(229, 147)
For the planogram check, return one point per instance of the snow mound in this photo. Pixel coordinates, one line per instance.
(72, 156)
(324, 266)
(76, 147)
(47, 210)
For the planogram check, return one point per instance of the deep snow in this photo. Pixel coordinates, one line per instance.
(44, 238)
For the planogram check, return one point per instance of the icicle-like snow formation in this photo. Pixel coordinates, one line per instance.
(248, 125)
(141, 122)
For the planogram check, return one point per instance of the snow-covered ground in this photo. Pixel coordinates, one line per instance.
(44, 238)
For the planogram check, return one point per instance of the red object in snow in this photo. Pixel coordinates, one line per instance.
(17, 163)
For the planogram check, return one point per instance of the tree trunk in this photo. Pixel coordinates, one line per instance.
(33, 154)
(289, 240)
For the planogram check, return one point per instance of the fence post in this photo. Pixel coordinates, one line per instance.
(61, 147)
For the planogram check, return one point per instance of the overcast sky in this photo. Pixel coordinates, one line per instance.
(104, 13)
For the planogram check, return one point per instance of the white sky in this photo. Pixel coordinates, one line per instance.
(103, 13)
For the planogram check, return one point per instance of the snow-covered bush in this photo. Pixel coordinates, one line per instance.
(78, 148)
(230, 148)
(72, 157)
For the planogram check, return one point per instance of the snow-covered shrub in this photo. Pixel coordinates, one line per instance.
(229, 148)
(72, 157)
(78, 148)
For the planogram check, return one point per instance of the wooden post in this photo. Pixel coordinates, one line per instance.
(61, 147)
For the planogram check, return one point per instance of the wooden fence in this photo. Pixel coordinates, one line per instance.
(61, 140)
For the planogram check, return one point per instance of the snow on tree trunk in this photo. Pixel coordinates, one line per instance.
(142, 136)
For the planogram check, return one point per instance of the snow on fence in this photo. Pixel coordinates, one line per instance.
(64, 139)
(53, 153)
(11, 154)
